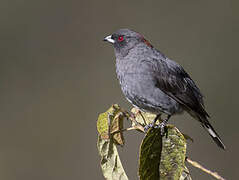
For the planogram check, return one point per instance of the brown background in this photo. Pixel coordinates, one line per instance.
(56, 76)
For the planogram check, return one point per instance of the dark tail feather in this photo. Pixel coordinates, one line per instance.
(213, 134)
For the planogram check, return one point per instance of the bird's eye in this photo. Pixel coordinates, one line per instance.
(120, 38)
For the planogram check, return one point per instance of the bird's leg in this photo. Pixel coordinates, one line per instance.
(163, 124)
(146, 128)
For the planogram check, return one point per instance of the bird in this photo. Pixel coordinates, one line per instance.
(154, 83)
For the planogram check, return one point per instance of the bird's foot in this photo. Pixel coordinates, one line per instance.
(151, 125)
(148, 126)
(163, 128)
(162, 125)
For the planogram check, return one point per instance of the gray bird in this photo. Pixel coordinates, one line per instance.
(154, 83)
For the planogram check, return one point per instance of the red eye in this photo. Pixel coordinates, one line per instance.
(120, 38)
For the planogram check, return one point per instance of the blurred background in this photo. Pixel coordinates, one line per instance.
(56, 76)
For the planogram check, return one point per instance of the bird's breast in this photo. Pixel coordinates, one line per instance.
(139, 87)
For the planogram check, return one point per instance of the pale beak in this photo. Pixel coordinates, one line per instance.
(109, 39)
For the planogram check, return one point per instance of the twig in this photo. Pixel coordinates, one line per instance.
(137, 127)
(130, 116)
(197, 165)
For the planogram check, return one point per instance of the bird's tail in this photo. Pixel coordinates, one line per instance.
(213, 134)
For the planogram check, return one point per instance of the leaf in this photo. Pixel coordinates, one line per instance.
(173, 155)
(110, 162)
(150, 152)
(168, 154)
(113, 119)
(143, 118)
(109, 126)
(117, 126)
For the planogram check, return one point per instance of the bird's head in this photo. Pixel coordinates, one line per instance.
(124, 39)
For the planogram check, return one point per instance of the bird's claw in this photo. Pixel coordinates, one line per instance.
(162, 126)
(163, 129)
(146, 127)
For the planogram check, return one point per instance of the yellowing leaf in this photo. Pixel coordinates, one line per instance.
(110, 162)
(113, 119)
(109, 126)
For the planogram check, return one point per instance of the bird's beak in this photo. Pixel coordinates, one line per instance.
(109, 39)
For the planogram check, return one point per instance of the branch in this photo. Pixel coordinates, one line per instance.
(197, 165)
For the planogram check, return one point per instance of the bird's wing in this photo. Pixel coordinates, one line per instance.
(173, 80)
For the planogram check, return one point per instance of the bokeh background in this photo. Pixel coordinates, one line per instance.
(56, 76)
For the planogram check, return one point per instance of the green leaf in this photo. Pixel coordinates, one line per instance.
(173, 155)
(150, 153)
(162, 158)
(110, 162)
